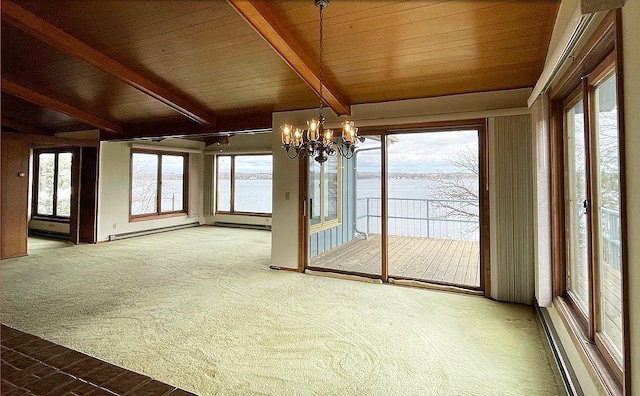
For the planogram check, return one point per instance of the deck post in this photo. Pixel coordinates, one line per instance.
(368, 216)
(428, 200)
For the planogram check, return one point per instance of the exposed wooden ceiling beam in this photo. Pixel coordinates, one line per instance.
(258, 14)
(225, 126)
(51, 140)
(54, 104)
(22, 127)
(43, 30)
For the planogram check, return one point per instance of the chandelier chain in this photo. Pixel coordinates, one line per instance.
(321, 75)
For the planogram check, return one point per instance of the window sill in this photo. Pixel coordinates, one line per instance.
(595, 363)
(146, 217)
(324, 226)
(253, 214)
(53, 219)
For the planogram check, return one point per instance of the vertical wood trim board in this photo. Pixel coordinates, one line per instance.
(511, 208)
(15, 197)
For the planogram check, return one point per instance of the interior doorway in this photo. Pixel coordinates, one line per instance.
(63, 194)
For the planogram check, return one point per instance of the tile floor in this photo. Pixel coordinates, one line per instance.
(33, 366)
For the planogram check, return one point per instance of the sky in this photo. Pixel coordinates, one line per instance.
(425, 152)
(248, 163)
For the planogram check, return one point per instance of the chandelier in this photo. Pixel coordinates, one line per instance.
(316, 141)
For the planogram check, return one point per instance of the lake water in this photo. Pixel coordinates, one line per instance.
(251, 196)
(414, 208)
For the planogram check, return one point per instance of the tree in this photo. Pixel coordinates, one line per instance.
(144, 184)
(456, 194)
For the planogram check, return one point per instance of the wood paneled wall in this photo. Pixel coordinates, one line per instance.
(15, 191)
(511, 208)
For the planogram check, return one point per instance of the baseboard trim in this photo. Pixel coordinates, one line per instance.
(434, 286)
(239, 225)
(125, 235)
(571, 384)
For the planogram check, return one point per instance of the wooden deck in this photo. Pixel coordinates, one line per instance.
(442, 260)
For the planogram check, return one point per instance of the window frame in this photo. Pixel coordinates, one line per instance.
(581, 317)
(595, 62)
(326, 224)
(232, 184)
(185, 186)
(35, 215)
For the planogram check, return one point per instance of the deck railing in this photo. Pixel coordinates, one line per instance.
(456, 219)
(610, 227)
(428, 218)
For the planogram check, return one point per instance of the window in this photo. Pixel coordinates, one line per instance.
(577, 271)
(592, 213)
(158, 183)
(52, 189)
(244, 184)
(588, 256)
(325, 197)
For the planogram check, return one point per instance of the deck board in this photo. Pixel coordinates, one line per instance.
(442, 260)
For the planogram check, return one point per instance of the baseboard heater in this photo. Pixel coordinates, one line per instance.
(125, 235)
(568, 375)
(238, 225)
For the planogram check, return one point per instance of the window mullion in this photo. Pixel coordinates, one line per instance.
(55, 185)
(590, 174)
(159, 186)
(232, 192)
(185, 183)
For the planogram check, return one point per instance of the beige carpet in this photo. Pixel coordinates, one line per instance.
(200, 309)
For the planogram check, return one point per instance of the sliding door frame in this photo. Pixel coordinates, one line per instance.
(479, 125)
(383, 131)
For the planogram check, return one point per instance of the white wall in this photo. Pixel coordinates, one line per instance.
(243, 143)
(631, 48)
(284, 246)
(542, 199)
(114, 185)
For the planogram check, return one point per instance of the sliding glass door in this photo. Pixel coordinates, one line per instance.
(433, 207)
(406, 209)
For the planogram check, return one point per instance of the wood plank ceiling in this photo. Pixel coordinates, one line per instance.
(147, 68)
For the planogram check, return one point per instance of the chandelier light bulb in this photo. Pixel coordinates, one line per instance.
(313, 132)
(328, 135)
(286, 134)
(297, 138)
(349, 132)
